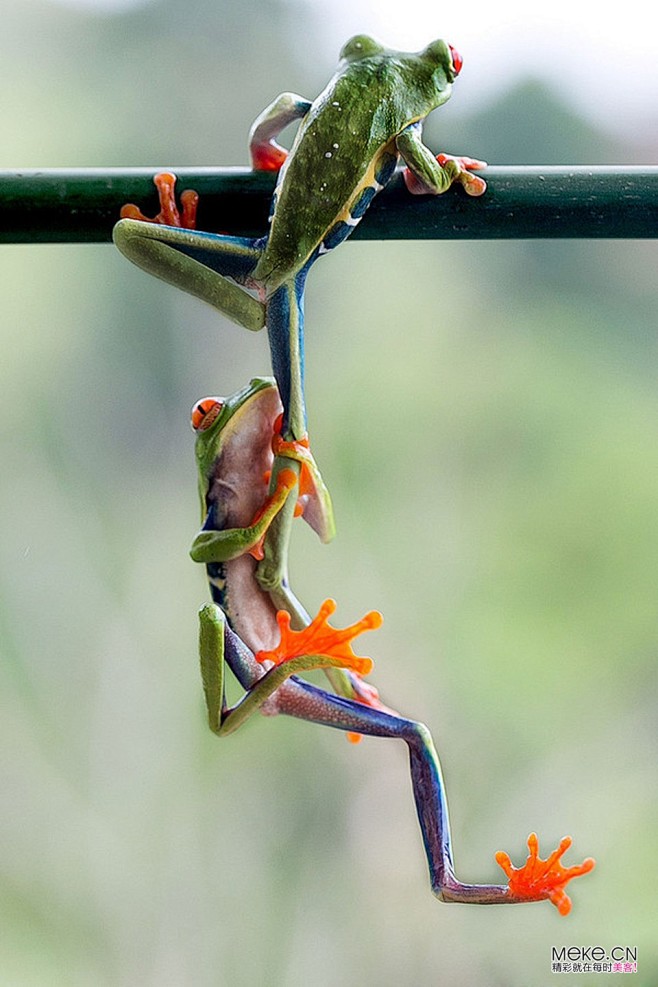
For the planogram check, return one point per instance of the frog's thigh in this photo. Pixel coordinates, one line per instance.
(198, 263)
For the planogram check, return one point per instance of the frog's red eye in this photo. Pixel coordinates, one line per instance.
(457, 60)
(204, 413)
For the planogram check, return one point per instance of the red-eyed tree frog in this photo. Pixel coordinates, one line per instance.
(347, 147)
(234, 438)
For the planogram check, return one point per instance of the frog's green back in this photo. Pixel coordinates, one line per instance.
(345, 145)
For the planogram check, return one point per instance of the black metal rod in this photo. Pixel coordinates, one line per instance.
(521, 202)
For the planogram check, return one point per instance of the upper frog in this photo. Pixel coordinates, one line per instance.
(346, 147)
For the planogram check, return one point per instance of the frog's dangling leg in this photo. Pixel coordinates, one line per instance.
(536, 881)
(285, 330)
(198, 263)
(285, 327)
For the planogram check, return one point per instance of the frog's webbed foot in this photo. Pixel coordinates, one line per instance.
(457, 169)
(321, 644)
(169, 214)
(538, 879)
(463, 166)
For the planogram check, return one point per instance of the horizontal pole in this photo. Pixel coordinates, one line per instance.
(521, 202)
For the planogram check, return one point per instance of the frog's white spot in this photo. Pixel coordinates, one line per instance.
(322, 249)
(351, 221)
(336, 103)
(328, 154)
(335, 146)
(376, 185)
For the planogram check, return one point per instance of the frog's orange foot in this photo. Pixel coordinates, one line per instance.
(538, 879)
(319, 638)
(268, 156)
(169, 214)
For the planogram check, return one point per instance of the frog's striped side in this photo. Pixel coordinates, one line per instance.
(379, 174)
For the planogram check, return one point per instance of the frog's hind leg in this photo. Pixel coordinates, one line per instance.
(305, 701)
(285, 329)
(198, 263)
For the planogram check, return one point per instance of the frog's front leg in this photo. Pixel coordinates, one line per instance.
(222, 545)
(314, 503)
(266, 154)
(430, 175)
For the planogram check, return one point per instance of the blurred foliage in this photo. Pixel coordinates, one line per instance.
(486, 416)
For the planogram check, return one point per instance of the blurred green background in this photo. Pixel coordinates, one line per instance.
(486, 417)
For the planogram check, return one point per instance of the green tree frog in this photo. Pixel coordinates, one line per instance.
(242, 628)
(347, 147)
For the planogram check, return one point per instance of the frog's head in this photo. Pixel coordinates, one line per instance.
(432, 71)
(238, 427)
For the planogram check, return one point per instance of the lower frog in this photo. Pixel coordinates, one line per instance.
(242, 628)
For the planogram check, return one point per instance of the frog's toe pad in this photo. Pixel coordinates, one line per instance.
(169, 215)
(538, 879)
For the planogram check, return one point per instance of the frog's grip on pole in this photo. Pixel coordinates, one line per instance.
(522, 201)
